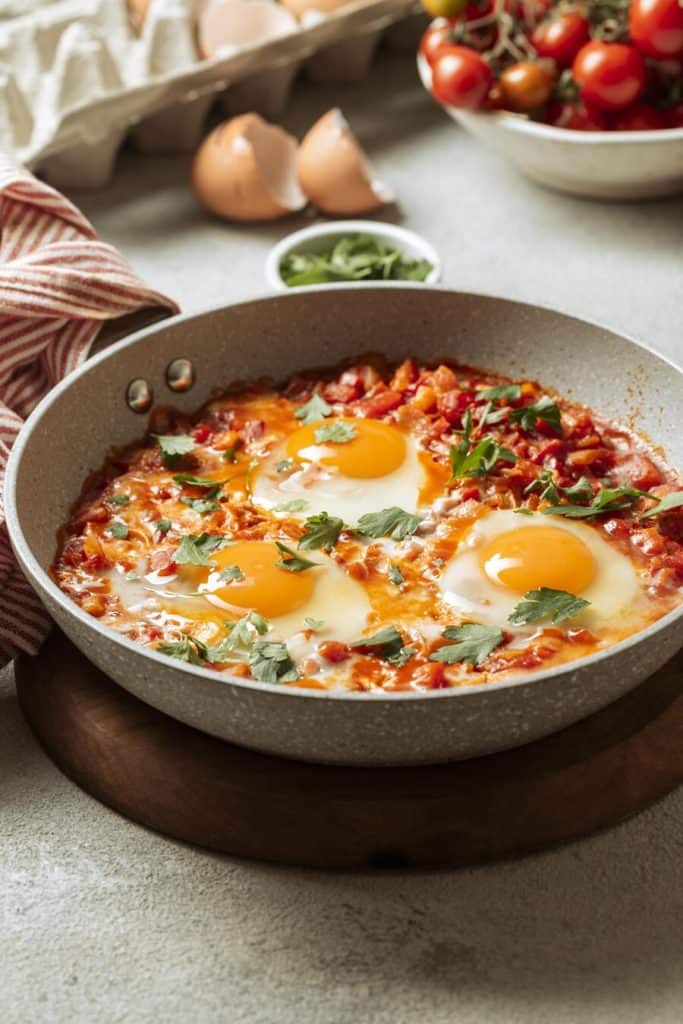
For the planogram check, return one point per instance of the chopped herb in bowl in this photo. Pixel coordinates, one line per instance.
(354, 257)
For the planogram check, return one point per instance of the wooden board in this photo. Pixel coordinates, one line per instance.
(181, 782)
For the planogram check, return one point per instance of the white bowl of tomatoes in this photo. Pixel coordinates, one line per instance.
(586, 98)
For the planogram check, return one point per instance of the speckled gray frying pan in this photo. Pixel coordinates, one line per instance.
(71, 430)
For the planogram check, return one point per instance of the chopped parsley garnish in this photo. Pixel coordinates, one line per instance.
(293, 506)
(119, 499)
(396, 576)
(387, 644)
(283, 465)
(354, 257)
(188, 480)
(230, 573)
(118, 530)
(270, 662)
(321, 531)
(473, 644)
(241, 636)
(163, 525)
(668, 502)
(195, 549)
(546, 486)
(314, 624)
(337, 433)
(188, 649)
(579, 491)
(608, 499)
(477, 461)
(230, 454)
(544, 409)
(316, 408)
(390, 522)
(522, 511)
(546, 603)
(501, 393)
(201, 505)
(291, 561)
(173, 446)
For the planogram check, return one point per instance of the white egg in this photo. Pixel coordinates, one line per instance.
(313, 486)
(567, 556)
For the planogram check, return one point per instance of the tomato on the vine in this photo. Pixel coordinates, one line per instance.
(437, 35)
(611, 76)
(561, 37)
(576, 117)
(641, 117)
(656, 27)
(460, 77)
(674, 116)
(526, 86)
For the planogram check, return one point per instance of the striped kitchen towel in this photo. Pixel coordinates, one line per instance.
(58, 285)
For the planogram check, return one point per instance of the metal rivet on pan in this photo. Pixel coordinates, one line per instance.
(180, 375)
(139, 395)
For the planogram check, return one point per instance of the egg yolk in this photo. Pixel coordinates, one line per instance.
(539, 556)
(266, 588)
(376, 449)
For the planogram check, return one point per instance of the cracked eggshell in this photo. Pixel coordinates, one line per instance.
(335, 173)
(246, 170)
(233, 24)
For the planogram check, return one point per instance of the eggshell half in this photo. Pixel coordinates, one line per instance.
(245, 170)
(335, 173)
(137, 12)
(238, 23)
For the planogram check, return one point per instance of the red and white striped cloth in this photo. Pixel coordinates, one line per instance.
(58, 284)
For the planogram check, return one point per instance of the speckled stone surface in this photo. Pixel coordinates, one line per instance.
(103, 921)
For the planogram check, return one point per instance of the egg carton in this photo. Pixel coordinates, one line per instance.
(76, 78)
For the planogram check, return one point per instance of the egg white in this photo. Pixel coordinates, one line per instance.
(613, 593)
(325, 489)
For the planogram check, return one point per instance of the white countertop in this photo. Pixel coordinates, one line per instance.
(103, 921)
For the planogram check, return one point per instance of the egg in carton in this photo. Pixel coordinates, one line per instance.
(76, 76)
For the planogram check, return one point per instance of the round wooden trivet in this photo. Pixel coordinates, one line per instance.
(183, 783)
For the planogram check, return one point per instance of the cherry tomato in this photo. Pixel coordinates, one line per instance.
(526, 86)
(437, 35)
(656, 27)
(611, 76)
(641, 117)
(444, 8)
(561, 37)
(576, 117)
(460, 77)
(674, 116)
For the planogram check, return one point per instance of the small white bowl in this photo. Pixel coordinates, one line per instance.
(601, 165)
(321, 237)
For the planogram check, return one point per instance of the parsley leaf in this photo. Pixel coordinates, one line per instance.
(314, 624)
(545, 484)
(474, 643)
(316, 408)
(321, 531)
(608, 499)
(173, 446)
(163, 525)
(188, 649)
(292, 507)
(580, 490)
(353, 257)
(230, 454)
(291, 561)
(338, 433)
(396, 576)
(201, 505)
(240, 638)
(501, 393)
(195, 550)
(118, 530)
(544, 409)
(478, 461)
(119, 499)
(283, 465)
(270, 662)
(230, 573)
(546, 603)
(390, 522)
(198, 481)
(387, 644)
(669, 501)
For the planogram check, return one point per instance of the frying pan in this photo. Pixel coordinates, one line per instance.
(72, 429)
